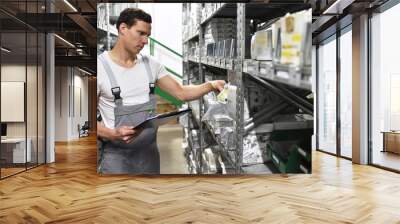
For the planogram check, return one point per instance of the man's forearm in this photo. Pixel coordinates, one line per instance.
(104, 132)
(192, 92)
(188, 92)
(123, 133)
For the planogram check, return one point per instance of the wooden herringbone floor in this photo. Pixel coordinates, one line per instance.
(70, 191)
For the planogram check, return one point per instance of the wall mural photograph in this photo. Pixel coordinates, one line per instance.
(228, 91)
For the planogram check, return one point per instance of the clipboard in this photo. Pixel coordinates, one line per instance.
(162, 119)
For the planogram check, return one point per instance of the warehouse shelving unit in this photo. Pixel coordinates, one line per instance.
(284, 88)
(107, 32)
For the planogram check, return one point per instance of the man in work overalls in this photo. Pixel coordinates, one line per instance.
(125, 92)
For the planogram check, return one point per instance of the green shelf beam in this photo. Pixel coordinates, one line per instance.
(154, 41)
(168, 97)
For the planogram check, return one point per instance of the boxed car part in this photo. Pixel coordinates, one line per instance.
(291, 30)
(261, 45)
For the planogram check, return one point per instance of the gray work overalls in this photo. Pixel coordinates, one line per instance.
(141, 156)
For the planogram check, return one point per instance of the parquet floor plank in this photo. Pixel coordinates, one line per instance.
(70, 191)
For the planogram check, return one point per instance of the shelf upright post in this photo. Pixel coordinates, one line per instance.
(201, 112)
(240, 42)
(107, 5)
(186, 77)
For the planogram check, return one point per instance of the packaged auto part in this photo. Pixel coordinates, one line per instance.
(261, 45)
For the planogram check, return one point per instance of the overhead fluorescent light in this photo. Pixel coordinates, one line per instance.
(65, 41)
(5, 50)
(84, 71)
(70, 5)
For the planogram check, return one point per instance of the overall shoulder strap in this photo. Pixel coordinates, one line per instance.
(115, 88)
(148, 68)
(152, 85)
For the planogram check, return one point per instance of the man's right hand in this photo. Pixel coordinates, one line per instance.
(125, 134)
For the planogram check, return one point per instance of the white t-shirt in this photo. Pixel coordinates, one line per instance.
(133, 82)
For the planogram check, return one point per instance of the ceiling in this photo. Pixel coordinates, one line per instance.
(74, 22)
(332, 15)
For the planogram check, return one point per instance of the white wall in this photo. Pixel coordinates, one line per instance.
(80, 102)
(82, 82)
(167, 29)
(14, 72)
(17, 73)
(61, 103)
(33, 126)
(68, 83)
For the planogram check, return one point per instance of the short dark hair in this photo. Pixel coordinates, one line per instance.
(129, 16)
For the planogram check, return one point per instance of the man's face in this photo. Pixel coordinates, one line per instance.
(135, 37)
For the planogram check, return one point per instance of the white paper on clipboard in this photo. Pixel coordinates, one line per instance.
(162, 119)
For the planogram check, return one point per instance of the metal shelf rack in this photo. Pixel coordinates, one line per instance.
(289, 84)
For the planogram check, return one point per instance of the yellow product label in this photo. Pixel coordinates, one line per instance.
(296, 38)
(223, 95)
(287, 46)
(288, 54)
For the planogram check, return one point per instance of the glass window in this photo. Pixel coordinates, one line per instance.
(22, 89)
(15, 150)
(327, 96)
(346, 93)
(314, 88)
(385, 89)
(31, 97)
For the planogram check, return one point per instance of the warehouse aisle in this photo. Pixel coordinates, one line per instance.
(172, 160)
